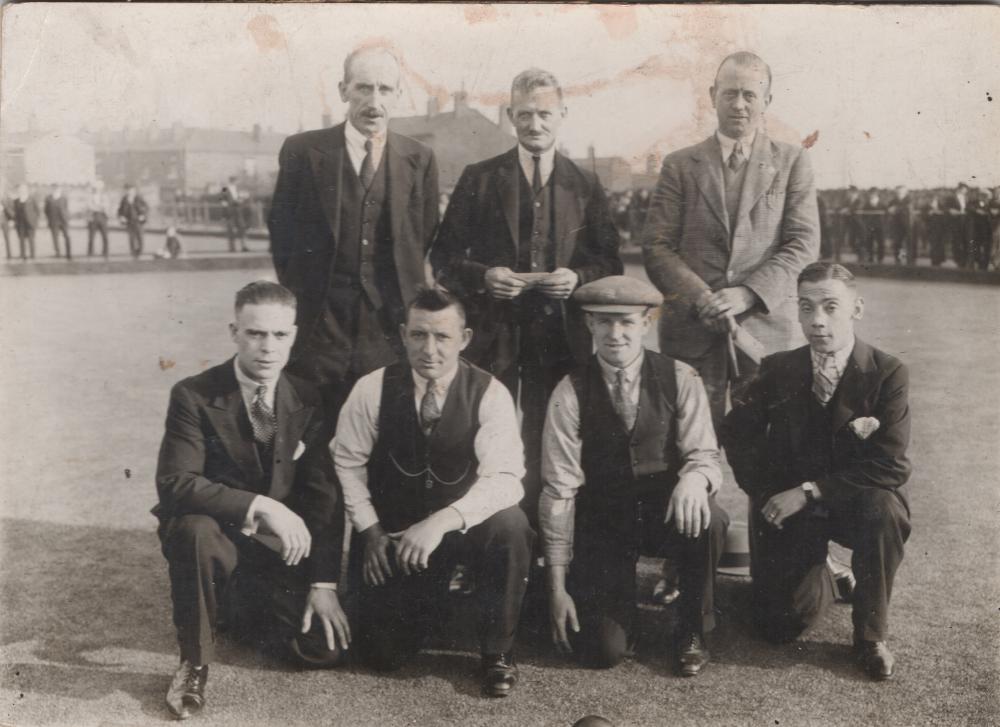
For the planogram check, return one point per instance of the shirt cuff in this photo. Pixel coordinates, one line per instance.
(364, 517)
(249, 520)
(324, 586)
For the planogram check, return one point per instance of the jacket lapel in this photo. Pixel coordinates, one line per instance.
(569, 208)
(760, 174)
(327, 161)
(849, 399)
(507, 184)
(400, 185)
(709, 178)
(230, 419)
(292, 419)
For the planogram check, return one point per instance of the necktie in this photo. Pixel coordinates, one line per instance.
(825, 379)
(736, 159)
(536, 175)
(262, 418)
(367, 167)
(622, 402)
(430, 412)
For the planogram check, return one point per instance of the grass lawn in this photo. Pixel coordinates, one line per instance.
(86, 363)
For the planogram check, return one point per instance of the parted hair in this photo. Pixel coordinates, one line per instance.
(434, 300)
(264, 291)
(815, 272)
(527, 81)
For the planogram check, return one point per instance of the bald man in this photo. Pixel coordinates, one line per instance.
(354, 210)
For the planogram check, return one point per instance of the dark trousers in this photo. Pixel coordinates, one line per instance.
(394, 619)
(5, 227)
(134, 230)
(216, 571)
(719, 378)
(95, 225)
(26, 239)
(236, 230)
(602, 580)
(55, 230)
(792, 587)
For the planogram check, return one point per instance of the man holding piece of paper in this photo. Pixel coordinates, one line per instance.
(521, 232)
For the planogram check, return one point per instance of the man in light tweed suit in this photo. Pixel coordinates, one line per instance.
(732, 222)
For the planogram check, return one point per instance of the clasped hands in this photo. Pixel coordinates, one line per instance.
(716, 310)
(504, 284)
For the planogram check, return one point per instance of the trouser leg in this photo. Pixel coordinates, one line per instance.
(875, 525)
(201, 559)
(533, 389)
(602, 585)
(103, 227)
(66, 242)
(55, 240)
(500, 554)
(792, 587)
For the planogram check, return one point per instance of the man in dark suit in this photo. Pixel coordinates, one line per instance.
(957, 206)
(819, 443)
(732, 222)
(900, 217)
(872, 214)
(355, 208)
(57, 215)
(522, 231)
(25, 220)
(97, 218)
(132, 212)
(249, 509)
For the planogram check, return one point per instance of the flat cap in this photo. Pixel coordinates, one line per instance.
(617, 294)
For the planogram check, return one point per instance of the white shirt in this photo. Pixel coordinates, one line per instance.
(498, 448)
(727, 144)
(355, 141)
(546, 162)
(563, 475)
(248, 387)
(839, 361)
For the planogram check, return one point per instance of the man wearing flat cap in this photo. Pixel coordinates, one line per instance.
(630, 467)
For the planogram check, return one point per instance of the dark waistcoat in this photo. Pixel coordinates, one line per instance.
(626, 472)
(364, 242)
(410, 475)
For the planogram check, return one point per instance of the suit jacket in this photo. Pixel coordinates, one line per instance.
(133, 213)
(305, 214)
(764, 431)
(208, 463)
(25, 213)
(688, 246)
(57, 211)
(481, 230)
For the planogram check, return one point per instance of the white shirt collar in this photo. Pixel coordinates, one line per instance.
(248, 387)
(727, 144)
(443, 384)
(546, 163)
(839, 357)
(355, 142)
(631, 370)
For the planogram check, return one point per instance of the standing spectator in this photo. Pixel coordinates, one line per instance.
(638, 210)
(25, 221)
(6, 217)
(980, 233)
(97, 218)
(57, 215)
(873, 221)
(900, 214)
(132, 214)
(234, 209)
(957, 206)
(937, 224)
(994, 211)
(851, 227)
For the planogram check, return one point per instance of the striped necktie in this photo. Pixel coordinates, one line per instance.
(430, 412)
(825, 379)
(262, 418)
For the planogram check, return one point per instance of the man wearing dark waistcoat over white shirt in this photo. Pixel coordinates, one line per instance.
(428, 454)
(630, 467)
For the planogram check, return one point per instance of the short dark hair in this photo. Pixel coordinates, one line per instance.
(527, 81)
(815, 272)
(746, 59)
(434, 300)
(264, 291)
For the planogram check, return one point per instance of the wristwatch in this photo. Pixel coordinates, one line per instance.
(810, 489)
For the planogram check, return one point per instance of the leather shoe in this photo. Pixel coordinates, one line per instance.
(499, 674)
(691, 654)
(875, 658)
(186, 695)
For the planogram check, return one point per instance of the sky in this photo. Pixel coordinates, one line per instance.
(898, 94)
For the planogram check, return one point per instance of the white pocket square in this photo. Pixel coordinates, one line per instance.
(864, 427)
(299, 449)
